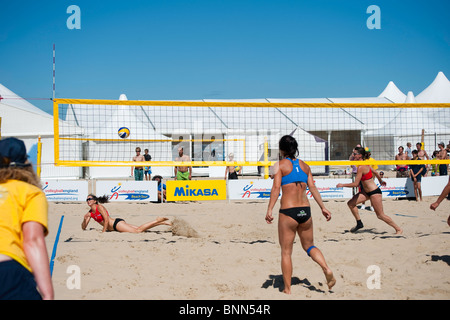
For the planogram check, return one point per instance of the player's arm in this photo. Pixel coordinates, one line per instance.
(315, 193)
(105, 216)
(275, 192)
(86, 219)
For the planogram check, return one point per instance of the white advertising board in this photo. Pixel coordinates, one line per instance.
(245, 189)
(64, 190)
(395, 188)
(135, 191)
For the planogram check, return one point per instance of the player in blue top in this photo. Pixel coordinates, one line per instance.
(293, 177)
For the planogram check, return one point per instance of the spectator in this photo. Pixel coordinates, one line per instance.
(415, 173)
(183, 172)
(408, 150)
(138, 171)
(161, 188)
(402, 170)
(434, 166)
(442, 155)
(147, 169)
(422, 154)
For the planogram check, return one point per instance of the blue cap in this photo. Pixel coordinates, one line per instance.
(15, 151)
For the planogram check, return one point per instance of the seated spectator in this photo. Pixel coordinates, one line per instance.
(402, 170)
(161, 188)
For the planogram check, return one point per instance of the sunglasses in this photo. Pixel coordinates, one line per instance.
(89, 199)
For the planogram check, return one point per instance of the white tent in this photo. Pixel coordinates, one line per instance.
(23, 120)
(437, 92)
(392, 93)
(410, 97)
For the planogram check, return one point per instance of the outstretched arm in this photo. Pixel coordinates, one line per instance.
(355, 183)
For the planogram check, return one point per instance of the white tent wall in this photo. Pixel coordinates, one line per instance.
(23, 120)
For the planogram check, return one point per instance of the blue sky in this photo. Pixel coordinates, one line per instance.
(208, 49)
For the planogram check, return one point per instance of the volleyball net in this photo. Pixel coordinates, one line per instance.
(216, 133)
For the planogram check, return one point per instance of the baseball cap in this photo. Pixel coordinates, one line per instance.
(15, 151)
(441, 144)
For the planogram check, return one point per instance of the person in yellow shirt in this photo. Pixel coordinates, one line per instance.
(24, 263)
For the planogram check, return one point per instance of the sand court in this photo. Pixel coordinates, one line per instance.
(225, 250)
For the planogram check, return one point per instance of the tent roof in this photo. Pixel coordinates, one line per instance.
(20, 118)
(410, 97)
(392, 93)
(11, 99)
(437, 92)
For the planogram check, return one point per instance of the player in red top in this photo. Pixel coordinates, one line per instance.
(99, 213)
(367, 190)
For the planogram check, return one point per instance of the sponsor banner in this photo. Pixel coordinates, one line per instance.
(64, 190)
(135, 191)
(397, 188)
(188, 190)
(327, 189)
(249, 189)
(404, 187)
(260, 189)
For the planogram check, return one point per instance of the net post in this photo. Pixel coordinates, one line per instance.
(39, 156)
(56, 131)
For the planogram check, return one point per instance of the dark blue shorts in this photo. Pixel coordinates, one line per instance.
(17, 283)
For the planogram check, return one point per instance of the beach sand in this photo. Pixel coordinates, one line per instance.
(226, 250)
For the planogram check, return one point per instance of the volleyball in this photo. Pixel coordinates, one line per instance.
(123, 132)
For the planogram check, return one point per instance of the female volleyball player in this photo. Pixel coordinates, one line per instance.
(23, 227)
(99, 213)
(368, 190)
(293, 176)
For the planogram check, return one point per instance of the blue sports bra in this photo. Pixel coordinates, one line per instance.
(296, 175)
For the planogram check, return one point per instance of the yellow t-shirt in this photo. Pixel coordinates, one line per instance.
(20, 202)
(375, 167)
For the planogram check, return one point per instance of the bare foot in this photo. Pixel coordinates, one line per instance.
(399, 231)
(331, 281)
(163, 220)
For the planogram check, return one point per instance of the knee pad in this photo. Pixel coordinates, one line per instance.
(309, 250)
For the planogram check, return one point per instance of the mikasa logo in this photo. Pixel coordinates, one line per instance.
(182, 192)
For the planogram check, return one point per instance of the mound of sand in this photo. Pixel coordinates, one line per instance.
(181, 228)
